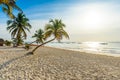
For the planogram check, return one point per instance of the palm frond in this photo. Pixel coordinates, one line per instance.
(48, 26)
(13, 33)
(56, 28)
(18, 26)
(8, 11)
(48, 33)
(39, 35)
(65, 34)
(16, 7)
(24, 33)
(8, 6)
(9, 22)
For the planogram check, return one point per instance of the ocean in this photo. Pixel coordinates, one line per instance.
(104, 48)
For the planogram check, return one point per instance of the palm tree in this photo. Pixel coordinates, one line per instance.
(39, 35)
(8, 6)
(18, 26)
(56, 29)
(20, 41)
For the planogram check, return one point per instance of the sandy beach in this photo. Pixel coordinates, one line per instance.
(56, 64)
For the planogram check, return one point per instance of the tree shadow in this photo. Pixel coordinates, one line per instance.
(12, 60)
(10, 47)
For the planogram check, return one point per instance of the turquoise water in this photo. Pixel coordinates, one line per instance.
(112, 48)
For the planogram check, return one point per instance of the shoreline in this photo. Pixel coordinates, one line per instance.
(33, 45)
(89, 52)
(104, 54)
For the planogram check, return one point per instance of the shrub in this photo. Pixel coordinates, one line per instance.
(27, 46)
(8, 43)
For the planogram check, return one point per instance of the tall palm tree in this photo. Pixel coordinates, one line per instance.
(54, 29)
(39, 35)
(18, 26)
(8, 6)
(17, 41)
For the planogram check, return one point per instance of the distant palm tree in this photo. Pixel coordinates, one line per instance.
(39, 35)
(19, 41)
(8, 6)
(18, 26)
(56, 29)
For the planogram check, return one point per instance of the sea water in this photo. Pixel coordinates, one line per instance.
(109, 48)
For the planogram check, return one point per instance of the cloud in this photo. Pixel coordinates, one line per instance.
(3, 32)
(75, 17)
(81, 31)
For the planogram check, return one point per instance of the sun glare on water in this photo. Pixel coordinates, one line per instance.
(93, 45)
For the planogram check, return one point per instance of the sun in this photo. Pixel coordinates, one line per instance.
(93, 18)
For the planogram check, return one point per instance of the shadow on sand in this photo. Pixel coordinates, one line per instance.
(10, 47)
(12, 60)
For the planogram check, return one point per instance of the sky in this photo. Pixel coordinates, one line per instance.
(86, 20)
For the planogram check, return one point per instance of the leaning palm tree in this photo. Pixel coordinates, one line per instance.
(18, 26)
(8, 6)
(39, 35)
(54, 29)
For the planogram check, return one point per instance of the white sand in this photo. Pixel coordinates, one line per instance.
(56, 64)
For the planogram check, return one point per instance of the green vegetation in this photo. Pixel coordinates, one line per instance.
(27, 46)
(17, 42)
(39, 35)
(18, 27)
(8, 6)
(7, 43)
(55, 29)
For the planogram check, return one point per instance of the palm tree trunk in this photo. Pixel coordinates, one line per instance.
(42, 45)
